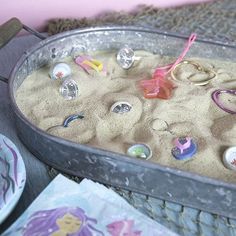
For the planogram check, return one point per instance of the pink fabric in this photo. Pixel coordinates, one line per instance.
(36, 13)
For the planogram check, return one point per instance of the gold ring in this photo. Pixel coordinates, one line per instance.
(211, 73)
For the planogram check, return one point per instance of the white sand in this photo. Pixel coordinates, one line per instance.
(156, 122)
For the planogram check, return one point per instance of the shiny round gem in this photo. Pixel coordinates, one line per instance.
(125, 57)
(60, 71)
(141, 151)
(229, 158)
(121, 107)
(69, 89)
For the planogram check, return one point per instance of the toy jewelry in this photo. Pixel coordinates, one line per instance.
(159, 86)
(185, 147)
(68, 120)
(121, 107)
(215, 97)
(87, 63)
(211, 73)
(69, 89)
(142, 151)
(59, 70)
(71, 118)
(229, 158)
(126, 57)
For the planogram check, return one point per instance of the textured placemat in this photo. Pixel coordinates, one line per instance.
(214, 20)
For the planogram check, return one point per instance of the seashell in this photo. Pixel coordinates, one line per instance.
(59, 71)
(229, 158)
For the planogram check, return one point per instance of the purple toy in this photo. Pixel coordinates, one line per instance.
(215, 96)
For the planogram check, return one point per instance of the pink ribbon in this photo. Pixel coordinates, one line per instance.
(159, 86)
(164, 70)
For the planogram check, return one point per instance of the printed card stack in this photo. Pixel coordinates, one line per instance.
(66, 208)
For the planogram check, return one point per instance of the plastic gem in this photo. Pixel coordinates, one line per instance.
(125, 57)
(121, 107)
(69, 89)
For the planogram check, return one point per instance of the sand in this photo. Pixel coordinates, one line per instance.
(190, 112)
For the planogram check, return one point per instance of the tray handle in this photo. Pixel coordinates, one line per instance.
(9, 29)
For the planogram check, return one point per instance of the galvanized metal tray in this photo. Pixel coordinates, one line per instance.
(108, 167)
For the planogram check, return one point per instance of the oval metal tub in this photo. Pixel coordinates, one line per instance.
(111, 168)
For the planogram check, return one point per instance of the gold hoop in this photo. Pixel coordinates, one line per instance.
(199, 68)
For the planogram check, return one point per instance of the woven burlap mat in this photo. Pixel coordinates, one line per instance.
(214, 20)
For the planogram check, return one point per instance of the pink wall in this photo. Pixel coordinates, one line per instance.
(35, 13)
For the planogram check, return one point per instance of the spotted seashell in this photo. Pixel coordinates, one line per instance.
(59, 71)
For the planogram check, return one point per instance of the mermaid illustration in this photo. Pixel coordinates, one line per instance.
(63, 221)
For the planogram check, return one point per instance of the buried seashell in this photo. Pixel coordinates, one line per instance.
(59, 71)
(229, 158)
